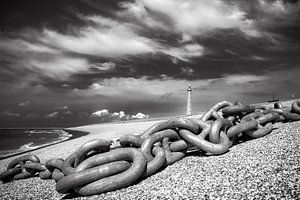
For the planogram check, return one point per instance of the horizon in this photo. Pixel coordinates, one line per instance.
(69, 63)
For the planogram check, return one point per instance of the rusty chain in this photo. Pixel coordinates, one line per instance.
(100, 166)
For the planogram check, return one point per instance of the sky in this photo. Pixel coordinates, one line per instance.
(75, 62)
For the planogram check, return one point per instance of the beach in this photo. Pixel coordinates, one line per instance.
(263, 168)
(149, 99)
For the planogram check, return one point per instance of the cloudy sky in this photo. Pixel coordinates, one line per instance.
(74, 62)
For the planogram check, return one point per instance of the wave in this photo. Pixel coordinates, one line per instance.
(64, 135)
(27, 146)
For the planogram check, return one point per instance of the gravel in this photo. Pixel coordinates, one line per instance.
(264, 168)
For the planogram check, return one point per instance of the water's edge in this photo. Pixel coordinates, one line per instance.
(74, 133)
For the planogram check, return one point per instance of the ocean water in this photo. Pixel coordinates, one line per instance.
(14, 141)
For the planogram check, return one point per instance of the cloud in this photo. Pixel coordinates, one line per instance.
(104, 38)
(243, 78)
(59, 67)
(32, 115)
(195, 18)
(185, 52)
(106, 66)
(257, 58)
(25, 103)
(96, 86)
(52, 115)
(68, 112)
(187, 70)
(137, 11)
(268, 14)
(56, 55)
(101, 113)
(60, 112)
(21, 45)
(65, 108)
(278, 8)
(65, 85)
(59, 55)
(121, 115)
(10, 114)
(39, 59)
(104, 115)
(140, 116)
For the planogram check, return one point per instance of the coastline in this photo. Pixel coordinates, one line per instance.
(74, 133)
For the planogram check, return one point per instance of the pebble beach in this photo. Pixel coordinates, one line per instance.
(263, 168)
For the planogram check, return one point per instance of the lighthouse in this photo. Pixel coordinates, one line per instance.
(189, 101)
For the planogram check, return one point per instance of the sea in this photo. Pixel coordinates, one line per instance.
(14, 141)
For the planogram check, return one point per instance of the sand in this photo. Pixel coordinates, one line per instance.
(267, 167)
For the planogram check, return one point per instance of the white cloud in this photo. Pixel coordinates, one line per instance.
(108, 38)
(259, 58)
(138, 12)
(52, 115)
(105, 115)
(96, 86)
(107, 66)
(41, 59)
(122, 114)
(25, 103)
(10, 114)
(65, 85)
(19, 45)
(32, 115)
(242, 79)
(47, 52)
(63, 108)
(101, 113)
(277, 13)
(275, 7)
(61, 112)
(115, 114)
(186, 38)
(67, 112)
(59, 67)
(194, 17)
(185, 52)
(140, 116)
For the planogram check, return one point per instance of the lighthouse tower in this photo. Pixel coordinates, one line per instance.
(189, 101)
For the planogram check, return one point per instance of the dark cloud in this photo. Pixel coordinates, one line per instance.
(65, 59)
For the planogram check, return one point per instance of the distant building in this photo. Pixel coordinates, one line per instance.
(189, 101)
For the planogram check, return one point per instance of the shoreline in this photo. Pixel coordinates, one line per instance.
(75, 134)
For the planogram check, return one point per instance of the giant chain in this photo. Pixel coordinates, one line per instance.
(100, 166)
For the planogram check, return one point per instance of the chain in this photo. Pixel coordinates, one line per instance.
(100, 166)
